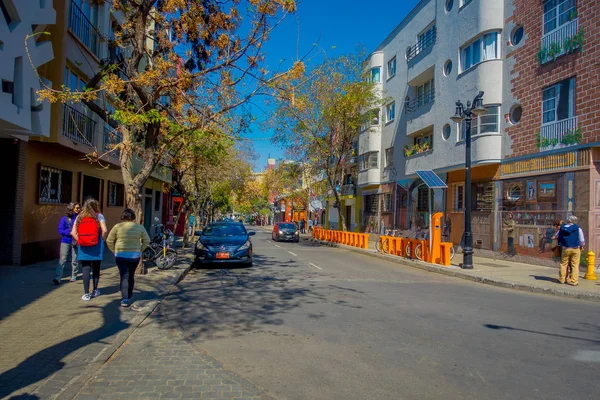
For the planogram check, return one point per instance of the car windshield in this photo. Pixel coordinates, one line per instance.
(224, 230)
(287, 226)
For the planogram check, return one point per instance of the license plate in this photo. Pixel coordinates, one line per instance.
(222, 255)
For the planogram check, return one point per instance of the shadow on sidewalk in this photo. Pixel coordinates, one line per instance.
(510, 328)
(543, 278)
(23, 285)
(50, 360)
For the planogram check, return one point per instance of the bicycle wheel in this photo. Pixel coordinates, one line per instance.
(167, 261)
(407, 251)
(452, 252)
(378, 245)
(386, 246)
(418, 253)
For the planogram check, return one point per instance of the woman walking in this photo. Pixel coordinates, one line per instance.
(127, 240)
(68, 247)
(90, 233)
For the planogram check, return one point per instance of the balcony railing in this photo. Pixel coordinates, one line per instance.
(77, 126)
(111, 138)
(424, 42)
(84, 29)
(553, 43)
(419, 101)
(349, 190)
(558, 134)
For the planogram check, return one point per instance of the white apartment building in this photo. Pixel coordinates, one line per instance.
(443, 51)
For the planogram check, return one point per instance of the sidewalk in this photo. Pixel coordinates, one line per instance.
(502, 273)
(52, 341)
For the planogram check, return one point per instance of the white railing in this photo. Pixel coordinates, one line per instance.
(551, 134)
(558, 36)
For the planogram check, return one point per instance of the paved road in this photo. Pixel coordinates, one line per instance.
(312, 322)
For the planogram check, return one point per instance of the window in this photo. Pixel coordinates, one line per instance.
(449, 5)
(156, 200)
(516, 112)
(558, 101)
(387, 203)
(448, 68)
(422, 198)
(517, 35)
(484, 196)
(369, 160)
(55, 185)
(425, 93)
(464, 2)
(446, 132)
(391, 68)
(389, 157)
(371, 119)
(483, 48)
(390, 112)
(371, 204)
(116, 194)
(489, 123)
(375, 75)
(557, 13)
(459, 197)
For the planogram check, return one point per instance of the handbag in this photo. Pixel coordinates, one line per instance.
(556, 250)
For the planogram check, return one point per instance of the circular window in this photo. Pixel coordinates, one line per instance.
(517, 35)
(514, 192)
(448, 68)
(516, 112)
(449, 5)
(446, 132)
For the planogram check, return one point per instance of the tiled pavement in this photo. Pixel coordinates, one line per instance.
(52, 341)
(157, 362)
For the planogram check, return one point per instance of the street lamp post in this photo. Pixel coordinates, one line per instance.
(466, 114)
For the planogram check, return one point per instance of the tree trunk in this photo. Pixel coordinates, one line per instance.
(341, 215)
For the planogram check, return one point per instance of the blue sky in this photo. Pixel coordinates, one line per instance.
(340, 23)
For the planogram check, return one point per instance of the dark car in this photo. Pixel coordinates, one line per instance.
(285, 231)
(224, 242)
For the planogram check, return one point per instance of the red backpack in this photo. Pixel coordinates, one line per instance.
(87, 232)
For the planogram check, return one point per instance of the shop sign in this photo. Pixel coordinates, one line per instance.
(550, 162)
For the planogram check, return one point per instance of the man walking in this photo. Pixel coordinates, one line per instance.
(570, 237)
(509, 225)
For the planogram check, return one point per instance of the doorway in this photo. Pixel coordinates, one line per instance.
(148, 210)
(349, 218)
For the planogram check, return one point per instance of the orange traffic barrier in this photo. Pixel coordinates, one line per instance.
(360, 240)
(445, 253)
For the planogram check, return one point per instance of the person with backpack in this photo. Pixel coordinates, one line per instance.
(127, 240)
(572, 241)
(68, 247)
(90, 233)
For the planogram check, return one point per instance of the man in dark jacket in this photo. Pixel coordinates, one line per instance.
(68, 249)
(570, 237)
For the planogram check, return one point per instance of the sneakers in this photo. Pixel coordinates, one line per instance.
(125, 303)
(86, 297)
(56, 281)
(73, 279)
(95, 293)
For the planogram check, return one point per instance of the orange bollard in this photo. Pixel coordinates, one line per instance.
(445, 256)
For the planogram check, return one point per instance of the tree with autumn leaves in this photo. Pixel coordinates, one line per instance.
(319, 115)
(178, 73)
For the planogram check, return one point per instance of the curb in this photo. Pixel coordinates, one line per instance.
(165, 288)
(459, 273)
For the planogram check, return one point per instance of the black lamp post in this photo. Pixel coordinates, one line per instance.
(466, 114)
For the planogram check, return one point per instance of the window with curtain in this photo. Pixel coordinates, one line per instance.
(392, 67)
(376, 75)
(369, 160)
(483, 48)
(424, 93)
(558, 101)
(557, 13)
(390, 112)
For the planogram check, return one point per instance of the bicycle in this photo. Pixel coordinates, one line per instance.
(384, 244)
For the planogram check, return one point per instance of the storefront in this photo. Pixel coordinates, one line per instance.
(537, 192)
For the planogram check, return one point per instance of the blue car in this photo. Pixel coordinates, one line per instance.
(222, 243)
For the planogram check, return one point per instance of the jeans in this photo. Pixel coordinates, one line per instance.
(511, 246)
(91, 270)
(127, 267)
(67, 251)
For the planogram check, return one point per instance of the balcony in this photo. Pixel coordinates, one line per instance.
(559, 134)
(84, 29)
(419, 101)
(111, 138)
(77, 126)
(349, 190)
(425, 41)
(561, 41)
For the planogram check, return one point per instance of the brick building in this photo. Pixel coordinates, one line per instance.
(550, 149)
